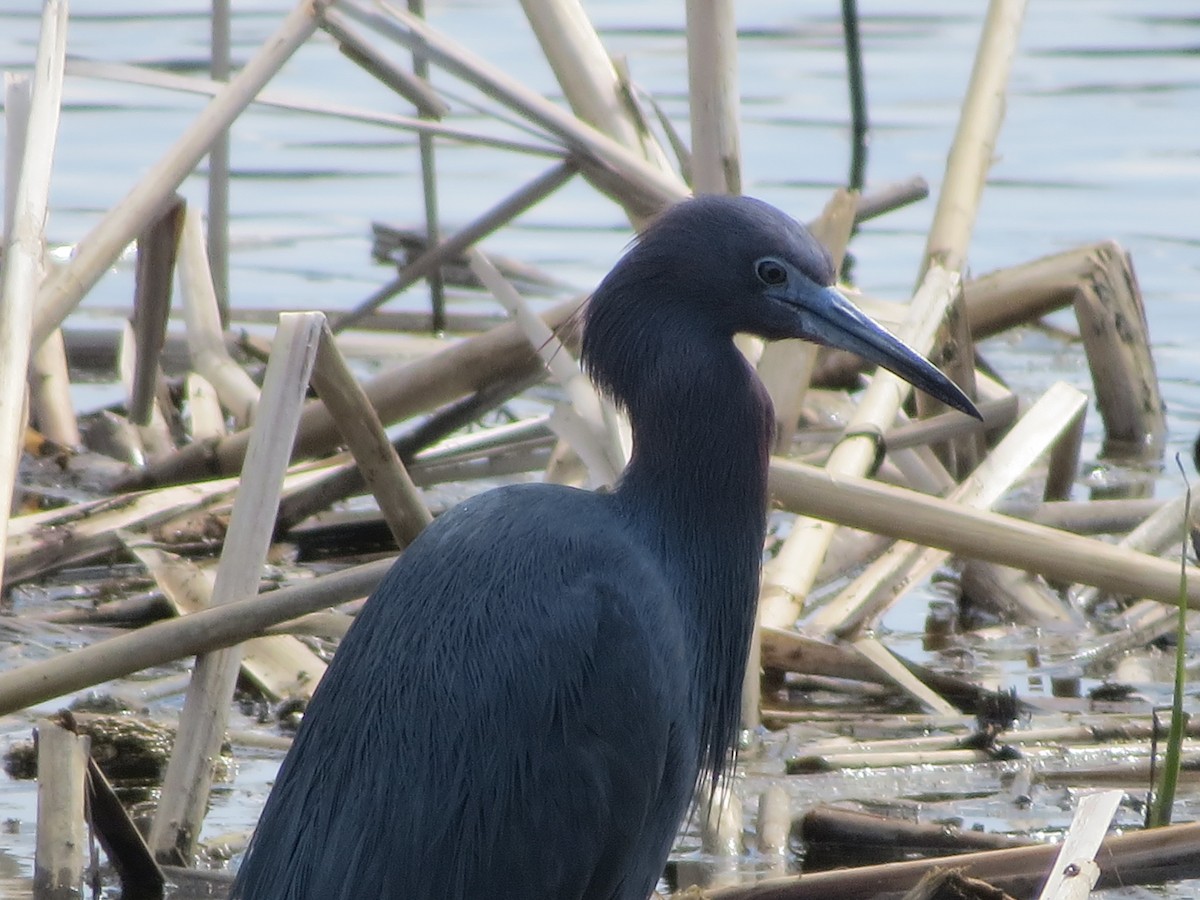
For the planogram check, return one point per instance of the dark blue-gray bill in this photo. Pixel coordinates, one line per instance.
(831, 319)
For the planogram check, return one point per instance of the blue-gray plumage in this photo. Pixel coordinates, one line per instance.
(524, 707)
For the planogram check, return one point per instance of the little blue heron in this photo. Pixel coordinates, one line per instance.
(526, 705)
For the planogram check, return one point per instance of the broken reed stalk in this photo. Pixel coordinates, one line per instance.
(392, 320)
(1155, 535)
(218, 162)
(1143, 857)
(1135, 627)
(585, 71)
(786, 650)
(412, 86)
(1088, 516)
(42, 541)
(530, 455)
(918, 468)
(157, 247)
(344, 480)
(62, 759)
(825, 825)
(721, 826)
(401, 503)
(905, 565)
(974, 145)
(774, 824)
(429, 189)
(279, 665)
(713, 95)
(1112, 324)
(1021, 294)
(891, 197)
(50, 393)
(25, 243)
(847, 760)
(1100, 729)
(161, 642)
(790, 576)
(17, 95)
(93, 349)
(202, 319)
(123, 844)
(49, 383)
(894, 672)
(206, 418)
(206, 709)
(1074, 872)
(1018, 597)
(1063, 461)
(127, 74)
(1100, 283)
(997, 414)
(584, 421)
(934, 522)
(153, 440)
(100, 247)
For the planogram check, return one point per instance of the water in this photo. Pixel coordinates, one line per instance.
(1101, 141)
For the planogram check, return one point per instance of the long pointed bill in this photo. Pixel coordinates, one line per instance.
(833, 320)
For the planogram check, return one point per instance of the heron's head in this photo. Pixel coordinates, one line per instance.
(736, 264)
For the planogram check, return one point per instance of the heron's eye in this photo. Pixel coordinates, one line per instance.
(770, 271)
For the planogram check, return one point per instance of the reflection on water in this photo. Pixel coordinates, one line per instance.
(1101, 140)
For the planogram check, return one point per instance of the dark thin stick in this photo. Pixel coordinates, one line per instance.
(411, 87)
(348, 481)
(401, 504)
(437, 287)
(500, 214)
(218, 167)
(123, 844)
(858, 95)
(890, 197)
(156, 250)
(416, 89)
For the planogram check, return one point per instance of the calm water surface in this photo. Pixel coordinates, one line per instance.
(1102, 140)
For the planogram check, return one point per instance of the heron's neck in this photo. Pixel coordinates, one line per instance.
(697, 484)
(702, 428)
